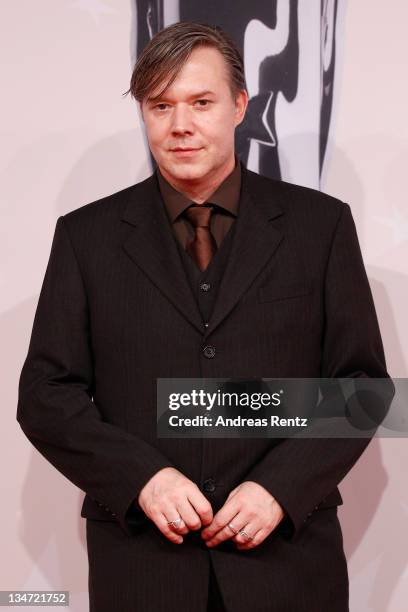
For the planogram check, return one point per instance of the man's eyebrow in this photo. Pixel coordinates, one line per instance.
(199, 94)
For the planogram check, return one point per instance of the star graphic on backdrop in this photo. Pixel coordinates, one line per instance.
(95, 8)
(258, 127)
(398, 223)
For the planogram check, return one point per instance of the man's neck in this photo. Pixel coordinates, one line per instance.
(201, 190)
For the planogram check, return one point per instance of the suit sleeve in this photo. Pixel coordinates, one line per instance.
(55, 408)
(301, 473)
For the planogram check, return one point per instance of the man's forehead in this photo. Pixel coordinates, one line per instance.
(199, 75)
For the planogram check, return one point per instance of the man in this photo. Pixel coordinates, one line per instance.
(204, 269)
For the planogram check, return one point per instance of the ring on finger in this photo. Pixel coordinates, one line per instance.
(245, 534)
(231, 526)
(176, 523)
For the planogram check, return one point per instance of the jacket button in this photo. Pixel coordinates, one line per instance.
(205, 324)
(209, 485)
(205, 286)
(209, 351)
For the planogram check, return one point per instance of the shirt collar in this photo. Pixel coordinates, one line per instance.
(226, 195)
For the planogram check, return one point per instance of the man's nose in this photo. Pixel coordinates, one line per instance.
(181, 119)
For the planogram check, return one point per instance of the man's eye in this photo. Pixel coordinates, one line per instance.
(161, 106)
(203, 102)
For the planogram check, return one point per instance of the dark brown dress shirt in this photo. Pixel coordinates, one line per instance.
(225, 197)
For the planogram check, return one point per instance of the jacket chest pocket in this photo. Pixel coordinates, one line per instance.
(275, 292)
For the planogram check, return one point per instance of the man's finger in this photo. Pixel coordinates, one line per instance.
(201, 505)
(166, 529)
(241, 530)
(247, 533)
(229, 510)
(189, 514)
(257, 539)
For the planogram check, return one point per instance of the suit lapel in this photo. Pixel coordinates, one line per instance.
(254, 242)
(151, 245)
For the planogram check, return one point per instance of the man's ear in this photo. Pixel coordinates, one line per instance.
(241, 103)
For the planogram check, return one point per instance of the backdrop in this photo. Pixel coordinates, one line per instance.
(328, 110)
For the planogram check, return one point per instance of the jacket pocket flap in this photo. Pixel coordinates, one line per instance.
(268, 293)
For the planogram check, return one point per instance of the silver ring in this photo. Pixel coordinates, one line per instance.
(230, 525)
(176, 523)
(245, 534)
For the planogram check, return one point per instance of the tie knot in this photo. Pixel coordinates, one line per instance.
(199, 215)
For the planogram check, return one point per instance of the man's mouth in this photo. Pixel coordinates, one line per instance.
(185, 151)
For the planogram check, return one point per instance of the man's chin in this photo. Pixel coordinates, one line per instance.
(186, 172)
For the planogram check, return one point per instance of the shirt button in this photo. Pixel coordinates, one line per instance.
(209, 485)
(209, 352)
(205, 286)
(205, 324)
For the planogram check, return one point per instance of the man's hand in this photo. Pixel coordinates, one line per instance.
(249, 507)
(169, 495)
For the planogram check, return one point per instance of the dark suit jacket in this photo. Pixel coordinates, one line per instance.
(116, 312)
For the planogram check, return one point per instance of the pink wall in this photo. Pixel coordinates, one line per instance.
(69, 137)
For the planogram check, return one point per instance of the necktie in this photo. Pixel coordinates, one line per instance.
(203, 246)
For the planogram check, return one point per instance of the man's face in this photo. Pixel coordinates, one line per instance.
(190, 128)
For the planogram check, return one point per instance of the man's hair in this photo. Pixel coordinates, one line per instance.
(166, 53)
